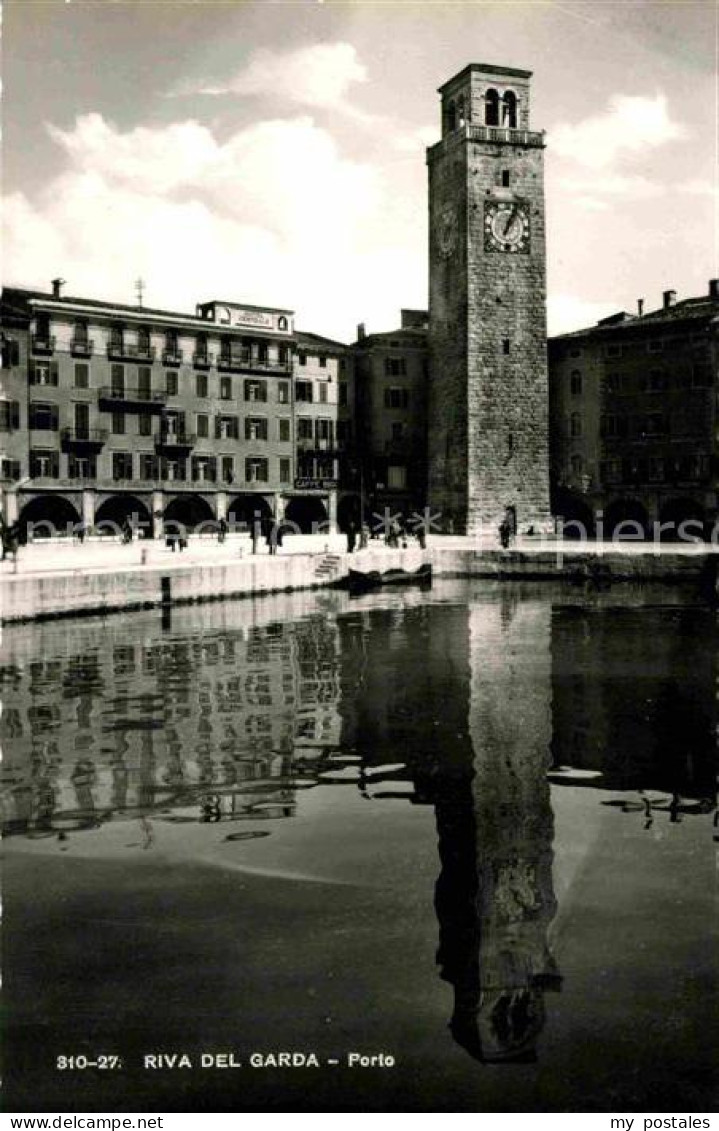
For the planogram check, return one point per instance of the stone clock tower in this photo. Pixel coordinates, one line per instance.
(488, 399)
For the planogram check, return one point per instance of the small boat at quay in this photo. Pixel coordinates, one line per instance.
(361, 582)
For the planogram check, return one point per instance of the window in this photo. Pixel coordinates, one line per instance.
(116, 338)
(144, 424)
(509, 110)
(397, 430)
(505, 178)
(262, 354)
(655, 424)
(256, 470)
(227, 428)
(171, 384)
(225, 388)
(396, 398)
(612, 383)
(203, 425)
(82, 376)
(201, 384)
(656, 469)
(657, 381)
(173, 469)
(323, 392)
(610, 471)
(575, 425)
(655, 346)
(323, 432)
(285, 470)
(613, 350)
(255, 428)
(395, 366)
(702, 376)
(575, 383)
(282, 324)
(204, 469)
(43, 417)
(144, 382)
(255, 390)
(302, 357)
(143, 340)
(304, 428)
(117, 379)
(118, 423)
(576, 465)
(282, 355)
(491, 108)
(42, 372)
(284, 430)
(505, 345)
(323, 362)
(303, 391)
(283, 392)
(201, 354)
(121, 465)
(148, 467)
(44, 464)
(343, 393)
(396, 477)
(228, 469)
(9, 416)
(10, 469)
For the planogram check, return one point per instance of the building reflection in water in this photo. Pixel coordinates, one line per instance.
(473, 709)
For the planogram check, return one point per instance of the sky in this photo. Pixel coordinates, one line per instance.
(274, 153)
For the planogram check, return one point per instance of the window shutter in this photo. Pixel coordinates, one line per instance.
(218, 427)
(31, 375)
(53, 372)
(15, 414)
(54, 417)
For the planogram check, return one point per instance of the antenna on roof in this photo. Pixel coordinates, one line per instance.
(140, 288)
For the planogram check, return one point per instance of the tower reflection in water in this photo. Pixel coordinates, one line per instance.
(474, 730)
(471, 707)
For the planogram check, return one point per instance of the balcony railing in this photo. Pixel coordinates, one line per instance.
(505, 134)
(201, 359)
(43, 343)
(141, 400)
(172, 356)
(245, 362)
(82, 347)
(175, 440)
(119, 351)
(83, 437)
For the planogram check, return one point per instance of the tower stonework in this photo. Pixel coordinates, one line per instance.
(488, 393)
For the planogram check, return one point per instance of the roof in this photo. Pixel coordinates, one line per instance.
(305, 338)
(414, 335)
(244, 306)
(700, 309)
(487, 69)
(25, 295)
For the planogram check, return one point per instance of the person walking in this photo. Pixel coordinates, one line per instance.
(351, 537)
(221, 530)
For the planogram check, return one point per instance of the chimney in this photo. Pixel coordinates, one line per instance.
(361, 331)
(714, 289)
(57, 285)
(670, 297)
(640, 306)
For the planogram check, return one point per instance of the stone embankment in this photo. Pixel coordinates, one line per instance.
(52, 587)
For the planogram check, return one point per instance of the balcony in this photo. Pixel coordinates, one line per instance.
(131, 400)
(178, 443)
(201, 359)
(82, 347)
(246, 363)
(43, 343)
(82, 439)
(118, 351)
(505, 135)
(172, 356)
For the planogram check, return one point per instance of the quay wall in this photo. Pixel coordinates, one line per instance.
(27, 596)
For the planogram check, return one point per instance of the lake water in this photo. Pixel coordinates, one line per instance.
(471, 830)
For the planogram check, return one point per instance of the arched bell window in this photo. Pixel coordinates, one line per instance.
(451, 117)
(491, 108)
(461, 112)
(509, 110)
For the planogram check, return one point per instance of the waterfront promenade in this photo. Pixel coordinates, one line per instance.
(59, 578)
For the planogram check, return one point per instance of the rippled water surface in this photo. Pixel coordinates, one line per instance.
(473, 830)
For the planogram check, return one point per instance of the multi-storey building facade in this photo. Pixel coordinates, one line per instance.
(390, 373)
(488, 400)
(633, 419)
(112, 412)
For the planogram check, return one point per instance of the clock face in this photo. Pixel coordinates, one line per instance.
(506, 226)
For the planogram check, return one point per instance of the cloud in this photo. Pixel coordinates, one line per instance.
(273, 214)
(699, 187)
(319, 75)
(629, 125)
(415, 140)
